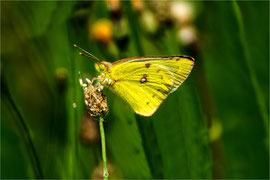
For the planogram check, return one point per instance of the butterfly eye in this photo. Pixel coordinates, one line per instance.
(101, 67)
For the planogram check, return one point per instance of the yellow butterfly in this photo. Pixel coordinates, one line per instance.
(143, 82)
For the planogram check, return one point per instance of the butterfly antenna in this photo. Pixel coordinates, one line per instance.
(87, 54)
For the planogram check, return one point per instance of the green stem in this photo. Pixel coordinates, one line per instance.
(103, 146)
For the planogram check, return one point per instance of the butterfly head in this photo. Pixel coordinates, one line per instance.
(103, 66)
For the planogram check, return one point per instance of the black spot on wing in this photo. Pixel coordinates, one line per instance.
(143, 80)
(164, 88)
(147, 65)
(163, 91)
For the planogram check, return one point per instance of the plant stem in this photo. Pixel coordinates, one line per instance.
(103, 146)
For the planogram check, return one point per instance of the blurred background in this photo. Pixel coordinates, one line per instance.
(216, 125)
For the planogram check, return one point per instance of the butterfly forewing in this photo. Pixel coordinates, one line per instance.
(179, 66)
(143, 85)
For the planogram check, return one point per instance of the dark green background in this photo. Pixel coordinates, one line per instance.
(229, 87)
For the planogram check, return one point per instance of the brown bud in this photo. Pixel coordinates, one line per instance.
(138, 5)
(89, 129)
(114, 5)
(113, 173)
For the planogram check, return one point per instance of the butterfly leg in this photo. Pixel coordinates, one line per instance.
(94, 79)
(83, 85)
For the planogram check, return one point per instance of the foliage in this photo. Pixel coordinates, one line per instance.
(216, 125)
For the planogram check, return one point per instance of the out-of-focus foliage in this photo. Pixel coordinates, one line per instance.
(216, 125)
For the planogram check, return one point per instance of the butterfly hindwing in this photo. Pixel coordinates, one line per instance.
(142, 84)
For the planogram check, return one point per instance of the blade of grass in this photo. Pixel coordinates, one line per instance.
(225, 66)
(251, 74)
(27, 139)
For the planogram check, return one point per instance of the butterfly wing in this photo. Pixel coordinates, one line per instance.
(179, 66)
(142, 86)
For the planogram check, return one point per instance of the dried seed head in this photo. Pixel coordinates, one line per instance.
(95, 101)
(187, 35)
(182, 12)
(160, 9)
(149, 22)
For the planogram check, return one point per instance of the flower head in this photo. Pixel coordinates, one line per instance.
(102, 31)
(95, 100)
